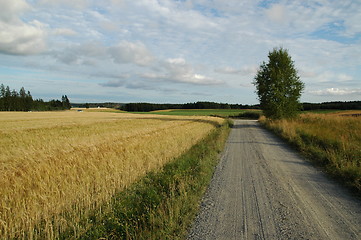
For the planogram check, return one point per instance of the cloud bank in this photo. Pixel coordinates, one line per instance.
(164, 51)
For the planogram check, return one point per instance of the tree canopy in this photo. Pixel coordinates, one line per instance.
(11, 100)
(278, 86)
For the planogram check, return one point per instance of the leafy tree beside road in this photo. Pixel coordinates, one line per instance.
(278, 86)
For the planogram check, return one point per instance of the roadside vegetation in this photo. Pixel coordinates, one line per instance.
(60, 168)
(163, 204)
(330, 140)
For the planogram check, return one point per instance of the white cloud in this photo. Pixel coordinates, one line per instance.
(307, 73)
(113, 83)
(10, 10)
(179, 71)
(244, 71)
(277, 13)
(16, 36)
(337, 92)
(82, 54)
(65, 3)
(21, 39)
(344, 77)
(331, 76)
(159, 44)
(64, 32)
(174, 14)
(227, 70)
(129, 52)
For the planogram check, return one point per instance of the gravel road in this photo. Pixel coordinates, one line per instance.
(262, 189)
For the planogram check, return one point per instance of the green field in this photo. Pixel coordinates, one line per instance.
(201, 112)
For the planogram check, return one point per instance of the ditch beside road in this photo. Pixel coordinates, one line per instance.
(263, 189)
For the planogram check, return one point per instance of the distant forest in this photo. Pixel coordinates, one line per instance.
(352, 105)
(147, 107)
(11, 100)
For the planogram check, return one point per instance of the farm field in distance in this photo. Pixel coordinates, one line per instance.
(57, 167)
(201, 112)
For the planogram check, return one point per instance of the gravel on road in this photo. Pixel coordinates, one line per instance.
(263, 189)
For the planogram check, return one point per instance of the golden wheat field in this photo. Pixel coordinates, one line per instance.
(57, 167)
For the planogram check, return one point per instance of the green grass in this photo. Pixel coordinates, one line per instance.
(322, 111)
(200, 112)
(330, 141)
(163, 204)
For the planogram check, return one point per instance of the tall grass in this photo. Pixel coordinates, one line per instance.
(56, 168)
(331, 140)
(163, 204)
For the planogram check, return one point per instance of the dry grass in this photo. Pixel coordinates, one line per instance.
(334, 140)
(58, 167)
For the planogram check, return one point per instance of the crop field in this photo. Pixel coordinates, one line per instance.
(202, 112)
(333, 140)
(57, 167)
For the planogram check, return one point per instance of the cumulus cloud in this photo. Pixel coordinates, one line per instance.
(328, 76)
(141, 38)
(244, 71)
(113, 83)
(178, 70)
(64, 32)
(277, 13)
(64, 3)
(173, 15)
(81, 54)
(344, 77)
(16, 36)
(129, 52)
(307, 73)
(227, 70)
(337, 92)
(10, 10)
(121, 53)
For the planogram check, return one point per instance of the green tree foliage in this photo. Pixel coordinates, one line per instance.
(65, 102)
(11, 100)
(147, 107)
(278, 86)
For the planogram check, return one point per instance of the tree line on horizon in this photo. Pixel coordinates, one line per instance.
(11, 100)
(148, 107)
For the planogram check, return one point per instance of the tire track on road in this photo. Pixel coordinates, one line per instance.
(262, 189)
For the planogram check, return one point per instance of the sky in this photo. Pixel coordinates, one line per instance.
(177, 51)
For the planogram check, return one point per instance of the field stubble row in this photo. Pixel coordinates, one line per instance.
(56, 168)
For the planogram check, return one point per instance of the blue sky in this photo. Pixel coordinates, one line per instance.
(176, 51)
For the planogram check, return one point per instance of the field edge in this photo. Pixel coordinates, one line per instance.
(163, 204)
(319, 158)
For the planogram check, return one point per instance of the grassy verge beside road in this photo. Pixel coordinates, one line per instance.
(162, 204)
(331, 141)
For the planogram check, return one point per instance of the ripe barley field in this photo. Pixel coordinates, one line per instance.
(58, 167)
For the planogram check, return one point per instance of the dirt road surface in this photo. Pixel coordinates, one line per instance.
(262, 189)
